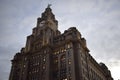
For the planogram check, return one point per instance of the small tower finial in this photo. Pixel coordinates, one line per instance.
(49, 5)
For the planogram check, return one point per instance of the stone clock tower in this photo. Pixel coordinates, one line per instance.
(43, 33)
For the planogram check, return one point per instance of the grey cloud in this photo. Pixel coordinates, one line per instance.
(113, 63)
(97, 20)
(5, 64)
(106, 41)
(4, 70)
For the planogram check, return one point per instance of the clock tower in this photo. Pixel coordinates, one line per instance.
(45, 30)
(48, 20)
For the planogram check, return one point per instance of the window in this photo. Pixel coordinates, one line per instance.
(45, 51)
(25, 58)
(62, 50)
(43, 67)
(43, 59)
(65, 50)
(65, 79)
(24, 65)
(69, 62)
(68, 46)
(55, 53)
(56, 60)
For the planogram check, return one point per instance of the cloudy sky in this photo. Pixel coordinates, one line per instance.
(97, 20)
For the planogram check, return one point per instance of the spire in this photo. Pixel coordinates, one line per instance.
(49, 5)
(47, 14)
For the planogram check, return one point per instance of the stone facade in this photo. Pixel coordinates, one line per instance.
(50, 55)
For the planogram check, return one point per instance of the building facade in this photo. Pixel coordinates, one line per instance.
(50, 55)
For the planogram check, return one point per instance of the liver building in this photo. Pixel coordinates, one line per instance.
(52, 55)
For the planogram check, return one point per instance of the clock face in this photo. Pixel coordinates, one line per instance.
(42, 23)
